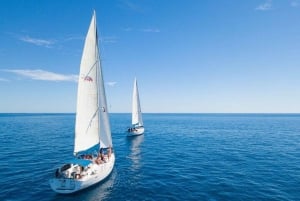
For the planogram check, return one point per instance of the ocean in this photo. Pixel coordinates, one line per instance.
(210, 157)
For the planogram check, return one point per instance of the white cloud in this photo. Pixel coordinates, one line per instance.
(3, 80)
(109, 39)
(265, 6)
(132, 6)
(151, 30)
(127, 29)
(111, 84)
(44, 75)
(295, 3)
(36, 41)
(70, 38)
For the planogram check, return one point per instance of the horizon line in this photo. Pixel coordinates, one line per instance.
(157, 112)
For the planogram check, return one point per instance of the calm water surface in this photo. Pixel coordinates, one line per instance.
(180, 157)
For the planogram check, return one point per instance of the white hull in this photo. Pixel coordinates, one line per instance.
(95, 174)
(136, 131)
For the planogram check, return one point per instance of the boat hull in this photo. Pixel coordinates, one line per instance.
(96, 174)
(136, 131)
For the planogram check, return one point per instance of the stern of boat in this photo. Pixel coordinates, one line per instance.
(63, 185)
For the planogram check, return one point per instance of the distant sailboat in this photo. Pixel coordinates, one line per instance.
(94, 157)
(137, 127)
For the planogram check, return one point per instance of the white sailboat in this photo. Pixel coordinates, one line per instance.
(93, 150)
(137, 127)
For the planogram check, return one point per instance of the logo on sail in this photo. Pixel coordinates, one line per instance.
(88, 78)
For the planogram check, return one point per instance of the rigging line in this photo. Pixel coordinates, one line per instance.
(92, 67)
(94, 115)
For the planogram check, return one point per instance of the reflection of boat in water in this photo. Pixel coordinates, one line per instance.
(135, 154)
(103, 191)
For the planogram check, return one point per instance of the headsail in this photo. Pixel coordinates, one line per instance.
(105, 132)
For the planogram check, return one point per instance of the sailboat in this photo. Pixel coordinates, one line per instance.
(94, 157)
(137, 127)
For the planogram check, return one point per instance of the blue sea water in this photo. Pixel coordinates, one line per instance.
(180, 157)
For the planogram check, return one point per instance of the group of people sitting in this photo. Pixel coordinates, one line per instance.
(76, 171)
(101, 157)
(131, 129)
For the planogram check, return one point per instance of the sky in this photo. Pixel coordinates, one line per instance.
(189, 56)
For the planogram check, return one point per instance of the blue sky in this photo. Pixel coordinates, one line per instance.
(188, 56)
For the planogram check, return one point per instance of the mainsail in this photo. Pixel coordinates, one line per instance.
(92, 123)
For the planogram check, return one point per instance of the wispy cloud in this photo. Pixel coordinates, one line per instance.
(295, 3)
(44, 75)
(70, 38)
(109, 39)
(149, 30)
(265, 6)
(3, 80)
(155, 30)
(37, 41)
(127, 29)
(132, 6)
(111, 84)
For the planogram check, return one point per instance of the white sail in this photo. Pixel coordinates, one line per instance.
(92, 122)
(136, 107)
(105, 132)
